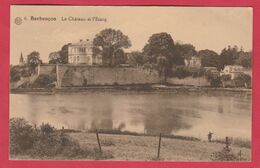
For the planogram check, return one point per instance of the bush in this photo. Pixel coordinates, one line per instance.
(16, 72)
(226, 154)
(214, 79)
(22, 135)
(226, 77)
(181, 73)
(55, 144)
(198, 73)
(47, 128)
(243, 80)
(44, 81)
(46, 141)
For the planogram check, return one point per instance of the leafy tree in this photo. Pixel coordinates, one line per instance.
(64, 54)
(33, 60)
(160, 44)
(162, 65)
(244, 59)
(185, 50)
(228, 56)
(160, 51)
(136, 58)
(119, 57)
(55, 58)
(108, 42)
(209, 58)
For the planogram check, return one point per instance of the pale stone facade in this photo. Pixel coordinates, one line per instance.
(193, 62)
(81, 53)
(232, 70)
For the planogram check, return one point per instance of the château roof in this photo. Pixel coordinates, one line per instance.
(81, 42)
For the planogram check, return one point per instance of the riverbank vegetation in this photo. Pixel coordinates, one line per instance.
(29, 141)
(47, 142)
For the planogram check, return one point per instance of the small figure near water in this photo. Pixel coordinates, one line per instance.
(210, 136)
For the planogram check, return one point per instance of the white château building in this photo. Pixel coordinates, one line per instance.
(81, 53)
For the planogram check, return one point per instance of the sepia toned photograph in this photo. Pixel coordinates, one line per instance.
(130, 83)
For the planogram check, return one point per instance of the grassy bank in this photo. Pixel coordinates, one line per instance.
(45, 142)
(132, 147)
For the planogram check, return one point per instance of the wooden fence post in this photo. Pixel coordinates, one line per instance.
(240, 155)
(159, 146)
(227, 143)
(99, 145)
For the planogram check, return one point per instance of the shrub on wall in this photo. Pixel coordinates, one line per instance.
(243, 80)
(198, 73)
(181, 73)
(16, 72)
(226, 77)
(44, 81)
(214, 79)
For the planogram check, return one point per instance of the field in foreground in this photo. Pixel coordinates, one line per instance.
(129, 147)
(44, 142)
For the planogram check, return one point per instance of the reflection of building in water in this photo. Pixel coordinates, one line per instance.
(220, 105)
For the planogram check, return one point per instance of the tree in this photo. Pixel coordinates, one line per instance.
(119, 57)
(161, 45)
(55, 58)
(61, 56)
(244, 59)
(228, 56)
(33, 60)
(185, 51)
(64, 54)
(136, 58)
(209, 58)
(108, 42)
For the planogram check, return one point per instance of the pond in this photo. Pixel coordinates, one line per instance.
(188, 114)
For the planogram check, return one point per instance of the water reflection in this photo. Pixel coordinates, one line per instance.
(151, 113)
(101, 113)
(166, 121)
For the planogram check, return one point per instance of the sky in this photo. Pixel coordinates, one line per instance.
(211, 28)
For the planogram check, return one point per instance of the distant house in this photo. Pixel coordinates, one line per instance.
(193, 62)
(232, 70)
(81, 53)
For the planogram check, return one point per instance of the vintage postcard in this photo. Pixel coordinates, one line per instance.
(130, 83)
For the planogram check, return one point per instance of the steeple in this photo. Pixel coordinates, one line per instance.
(21, 61)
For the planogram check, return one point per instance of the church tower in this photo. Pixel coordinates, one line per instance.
(21, 61)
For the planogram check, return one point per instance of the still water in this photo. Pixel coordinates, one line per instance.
(189, 114)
